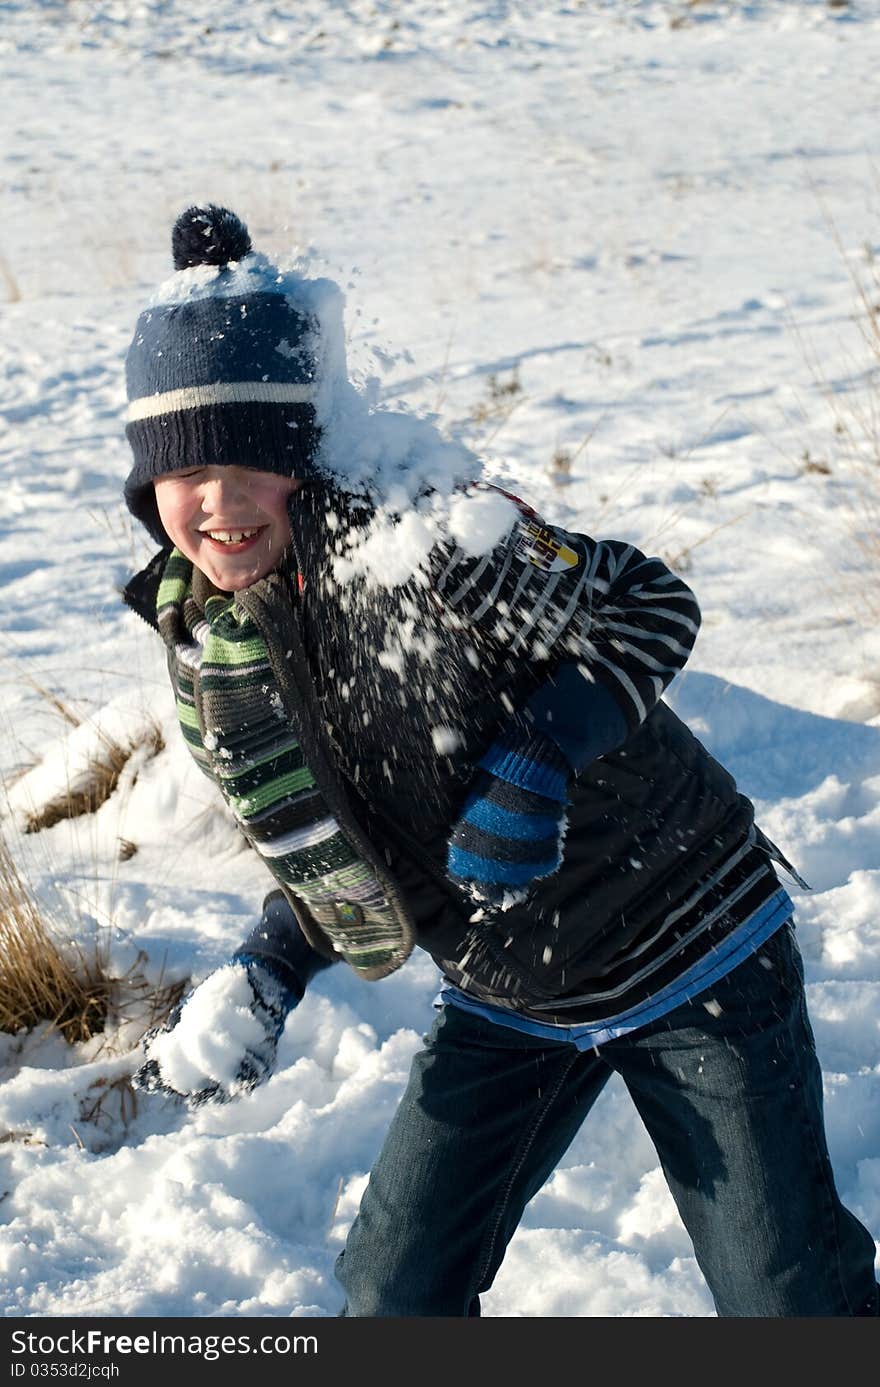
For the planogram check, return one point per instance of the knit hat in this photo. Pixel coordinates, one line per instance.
(222, 365)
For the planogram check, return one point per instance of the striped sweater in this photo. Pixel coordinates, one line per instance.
(625, 622)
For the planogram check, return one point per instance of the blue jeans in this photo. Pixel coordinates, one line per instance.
(731, 1098)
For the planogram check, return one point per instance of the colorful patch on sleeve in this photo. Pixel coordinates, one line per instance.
(539, 545)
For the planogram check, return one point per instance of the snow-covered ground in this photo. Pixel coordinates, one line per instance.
(616, 249)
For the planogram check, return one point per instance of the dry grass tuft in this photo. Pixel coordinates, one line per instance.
(151, 1002)
(37, 982)
(97, 787)
(111, 1101)
(502, 398)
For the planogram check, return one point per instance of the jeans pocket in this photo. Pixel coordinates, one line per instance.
(783, 957)
(763, 990)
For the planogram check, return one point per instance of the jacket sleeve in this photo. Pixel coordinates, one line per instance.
(614, 625)
(278, 939)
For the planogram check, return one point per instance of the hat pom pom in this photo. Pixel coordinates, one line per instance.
(208, 235)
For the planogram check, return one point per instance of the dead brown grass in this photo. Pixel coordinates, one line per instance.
(38, 981)
(103, 777)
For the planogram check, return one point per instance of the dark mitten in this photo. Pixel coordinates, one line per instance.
(512, 827)
(221, 1040)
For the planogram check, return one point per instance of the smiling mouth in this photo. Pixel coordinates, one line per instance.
(232, 538)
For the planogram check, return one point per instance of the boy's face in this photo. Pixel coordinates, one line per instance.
(230, 521)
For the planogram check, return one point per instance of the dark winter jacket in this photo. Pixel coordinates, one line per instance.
(662, 857)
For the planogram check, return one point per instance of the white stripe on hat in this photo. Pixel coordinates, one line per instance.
(270, 392)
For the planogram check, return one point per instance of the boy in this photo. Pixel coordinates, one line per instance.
(478, 761)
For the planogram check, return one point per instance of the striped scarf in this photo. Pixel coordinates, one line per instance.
(234, 707)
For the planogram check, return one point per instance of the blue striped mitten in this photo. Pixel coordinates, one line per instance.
(513, 824)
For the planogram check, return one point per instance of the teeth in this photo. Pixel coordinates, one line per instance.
(232, 536)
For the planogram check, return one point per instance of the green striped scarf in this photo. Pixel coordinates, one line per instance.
(236, 723)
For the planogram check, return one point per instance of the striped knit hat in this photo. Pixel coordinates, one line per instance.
(222, 365)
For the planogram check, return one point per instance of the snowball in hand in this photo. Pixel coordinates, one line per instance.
(216, 1027)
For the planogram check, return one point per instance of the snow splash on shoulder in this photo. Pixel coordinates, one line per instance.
(403, 531)
(420, 487)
